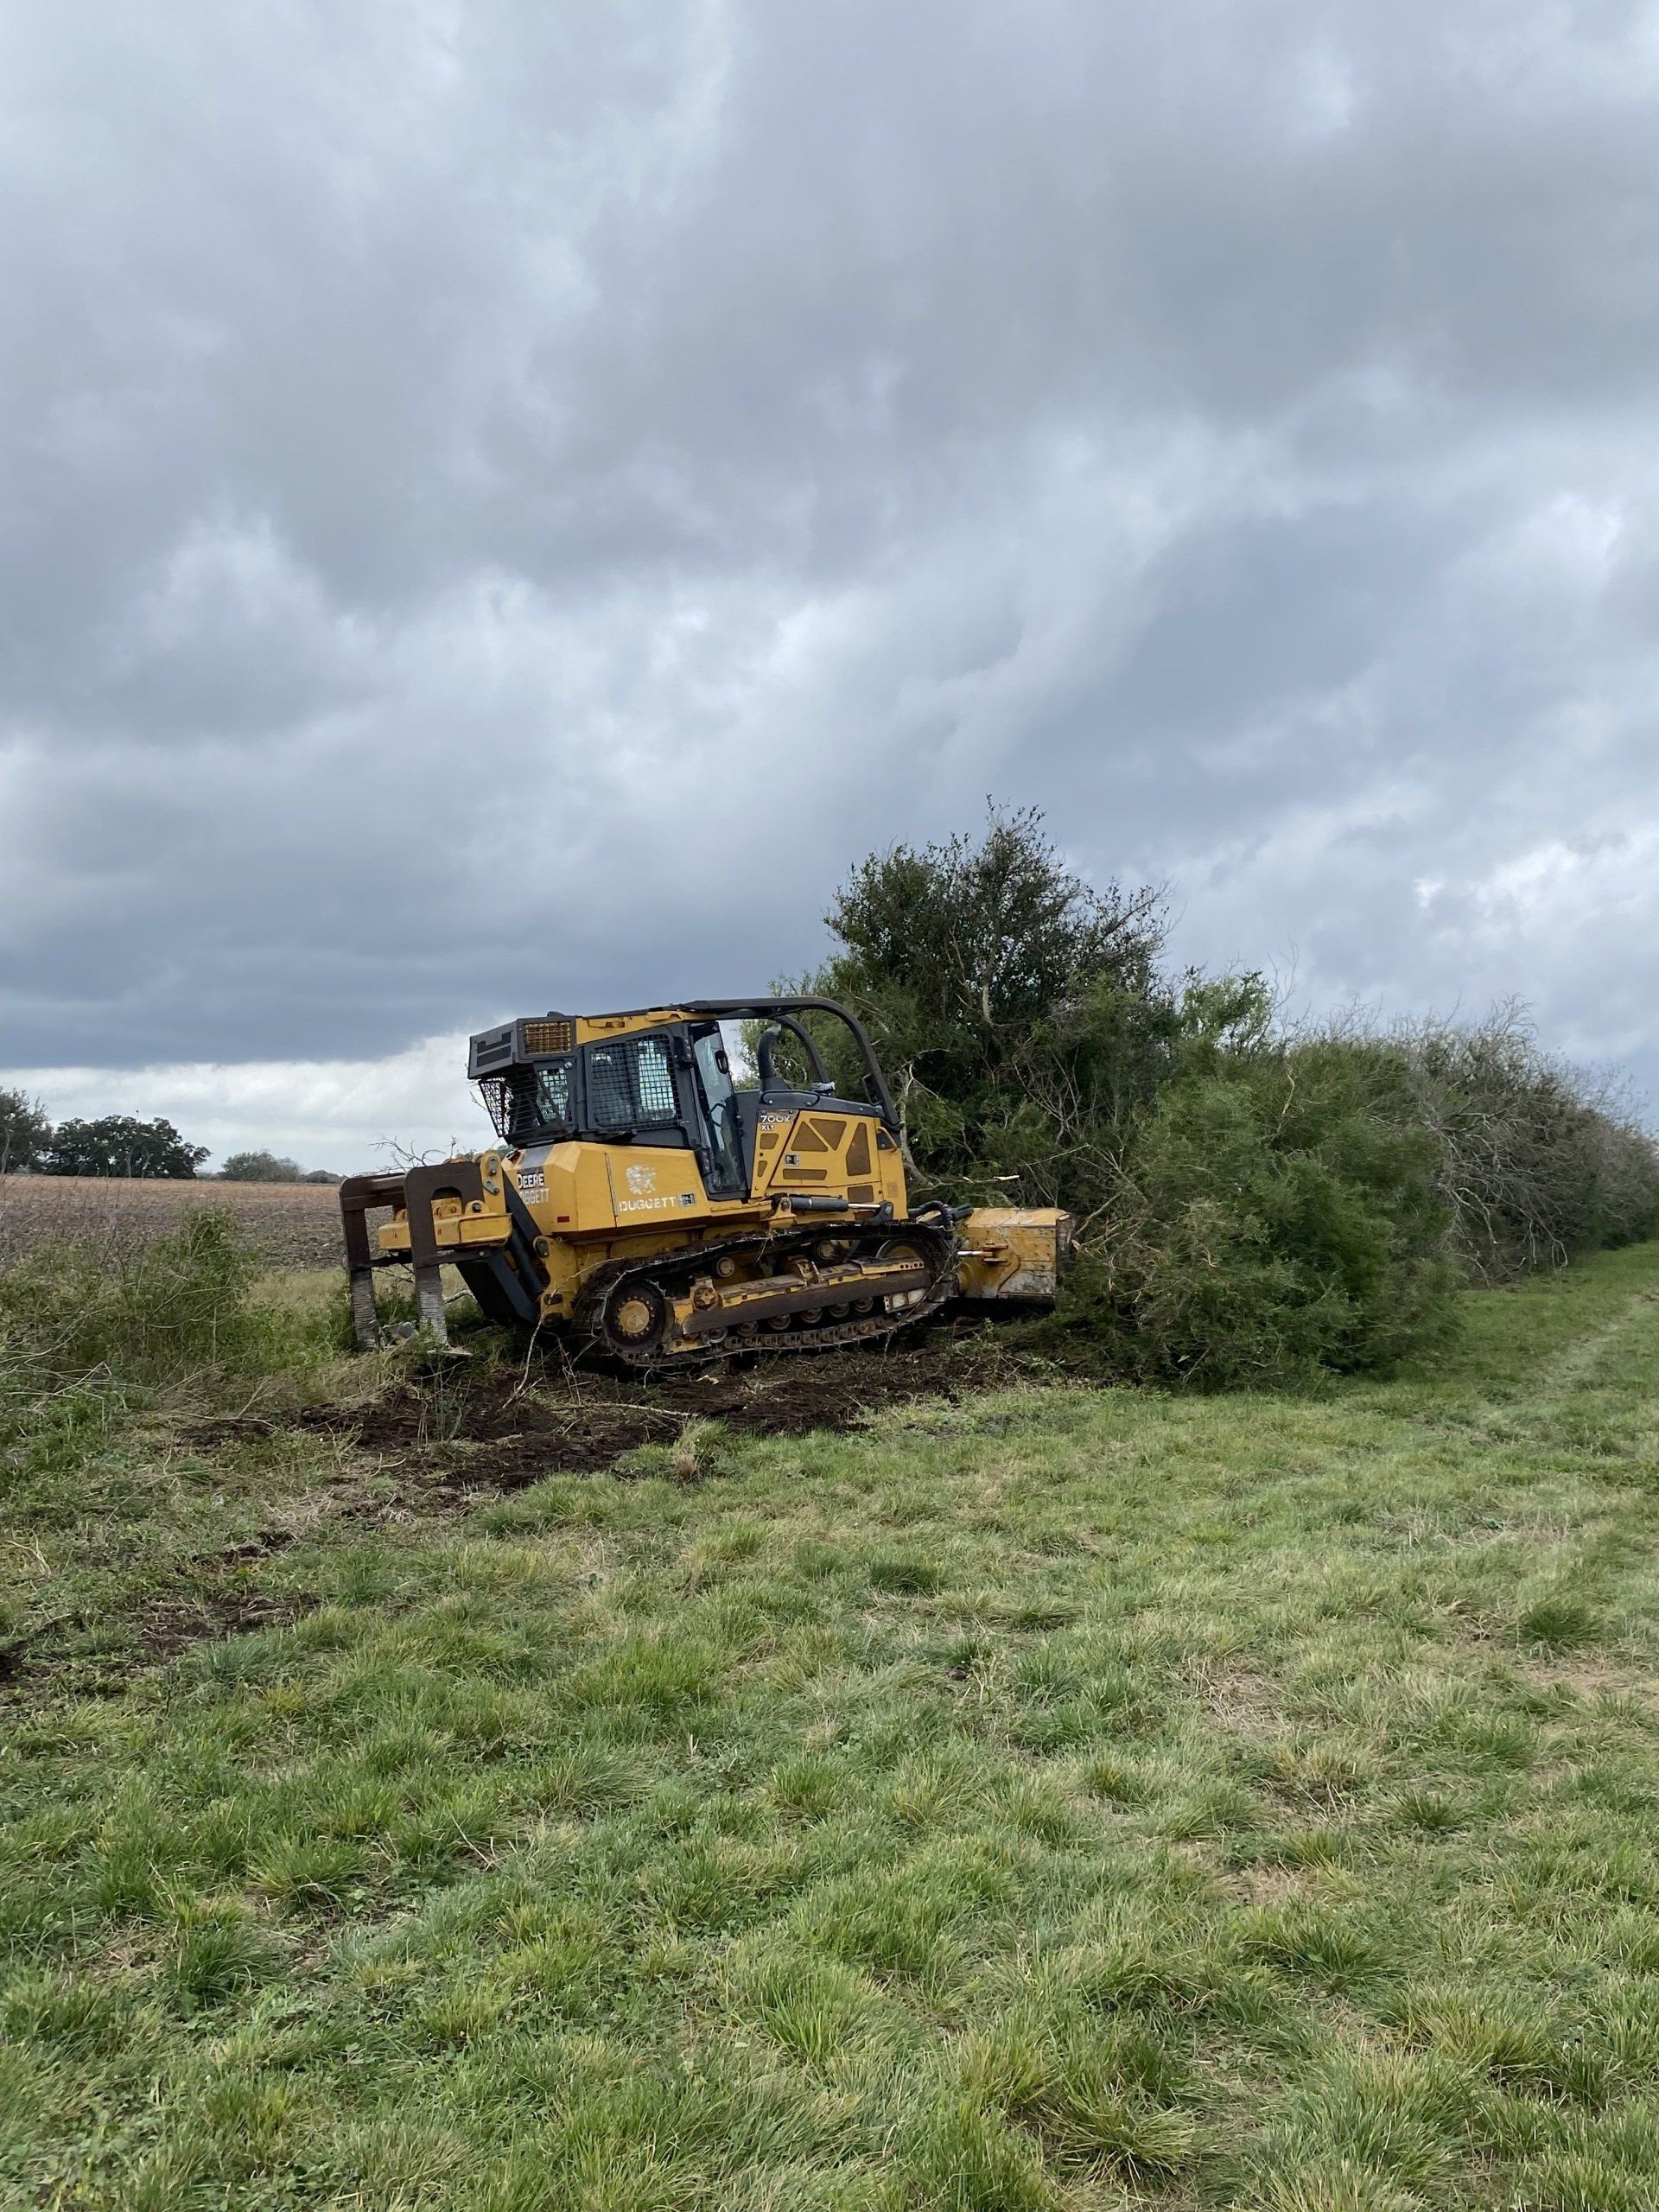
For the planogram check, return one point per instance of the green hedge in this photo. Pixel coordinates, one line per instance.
(1252, 1205)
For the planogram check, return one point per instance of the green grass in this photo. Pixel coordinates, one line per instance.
(1062, 1799)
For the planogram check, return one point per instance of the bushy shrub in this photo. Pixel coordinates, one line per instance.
(1278, 1214)
(87, 1326)
(1250, 1204)
(149, 1313)
(270, 1167)
(261, 1168)
(1538, 1163)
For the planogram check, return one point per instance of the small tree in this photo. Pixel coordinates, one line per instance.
(119, 1144)
(260, 1167)
(1011, 1003)
(25, 1132)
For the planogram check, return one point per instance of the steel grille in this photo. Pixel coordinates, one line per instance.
(631, 1085)
(498, 1091)
(653, 1079)
(547, 1037)
(553, 1093)
(527, 1103)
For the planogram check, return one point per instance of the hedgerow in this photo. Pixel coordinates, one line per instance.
(1252, 1202)
(1538, 1163)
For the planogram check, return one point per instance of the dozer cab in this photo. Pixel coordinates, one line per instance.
(640, 1204)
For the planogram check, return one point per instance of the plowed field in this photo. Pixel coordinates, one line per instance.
(291, 1224)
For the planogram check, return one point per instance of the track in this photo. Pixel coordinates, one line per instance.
(805, 1334)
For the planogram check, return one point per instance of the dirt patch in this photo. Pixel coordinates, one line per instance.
(166, 1626)
(1265, 1884)
(22, 1653)
(1588, 1680)
(494, 1427)
(152, 1632)
(210, 1431)
(257, 1546)
(1242, 1702)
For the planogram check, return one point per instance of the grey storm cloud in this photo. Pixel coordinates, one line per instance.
(504, 503)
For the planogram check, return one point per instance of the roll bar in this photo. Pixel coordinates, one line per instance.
(782, 1010)
(763, 1051)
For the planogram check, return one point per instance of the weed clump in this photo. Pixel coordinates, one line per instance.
(90, 1328)
(702, 1450)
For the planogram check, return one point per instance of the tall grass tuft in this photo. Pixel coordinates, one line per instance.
(89, 1329)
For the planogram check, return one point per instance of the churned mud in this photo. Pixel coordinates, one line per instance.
(432, 1446)
(498, 1428)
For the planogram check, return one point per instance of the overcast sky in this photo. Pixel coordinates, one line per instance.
(502, 504)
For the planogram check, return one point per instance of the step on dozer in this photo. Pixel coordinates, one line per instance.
(638, 1202)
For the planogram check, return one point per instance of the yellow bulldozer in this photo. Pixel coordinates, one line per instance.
(642, 1204)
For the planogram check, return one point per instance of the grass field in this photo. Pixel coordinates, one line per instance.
(290, 1224)
(1052, 1798)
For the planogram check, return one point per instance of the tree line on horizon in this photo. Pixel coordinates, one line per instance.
(121, 1145)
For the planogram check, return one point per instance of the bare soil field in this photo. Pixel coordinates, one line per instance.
(290, 1224)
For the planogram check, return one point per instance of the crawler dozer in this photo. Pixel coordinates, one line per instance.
(640, 1204)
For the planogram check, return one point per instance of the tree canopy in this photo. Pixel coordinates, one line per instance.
(119, 1144)
(1001, 988)
(261, 1168)
(24, 1132)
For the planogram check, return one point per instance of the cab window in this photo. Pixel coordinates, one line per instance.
(631, 1085)
(553, 1093)
(528, 1103)
(714, 1075)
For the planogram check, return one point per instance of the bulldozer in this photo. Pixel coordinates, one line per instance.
(640, 1204)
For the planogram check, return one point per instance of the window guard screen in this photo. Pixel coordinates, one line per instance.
(631, 1085)
(526, 1103)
